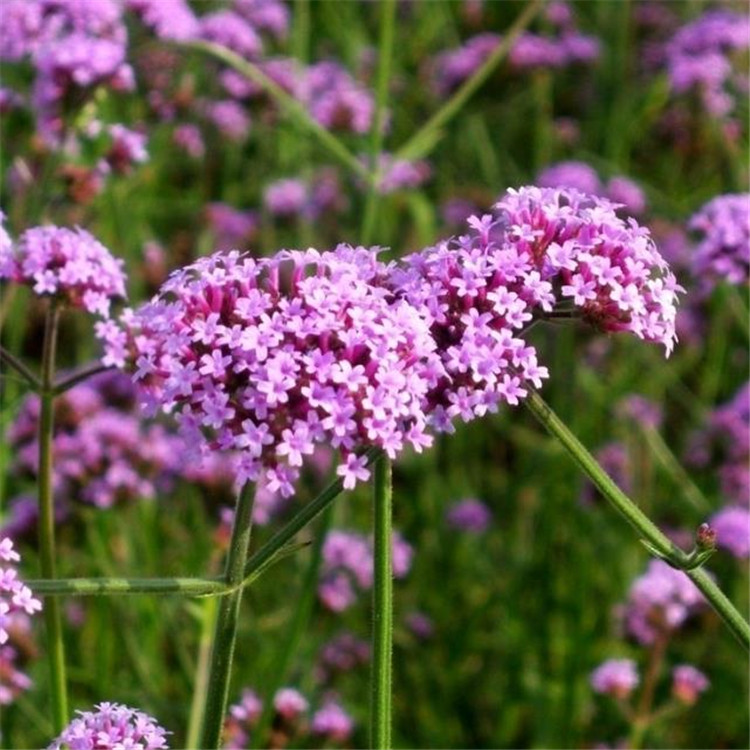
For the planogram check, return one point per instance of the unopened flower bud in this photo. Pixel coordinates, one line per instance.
(705, 538)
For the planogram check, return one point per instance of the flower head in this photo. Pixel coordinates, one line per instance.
(15, 596)
(469, 515)
(616, 677)
(332, 722)
(69, 264)
(688, 683)
(110, 727)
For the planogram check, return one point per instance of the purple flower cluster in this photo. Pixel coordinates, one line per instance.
(342, 653)
(69, 264)
(169, 19)
(278, 355)
(12, 680)
(688, 683)
(660, 601)
(723, 250)
(469, 515)
(584, 178)
(231, 30)
(732, 527)
(400, 174)
(699, 57)
(102, 452)
(15, 596)
(330, 722)
(231, 228)
(566, 46)
(110, 727)
(293, 198)
(615, 677)
(348, 566)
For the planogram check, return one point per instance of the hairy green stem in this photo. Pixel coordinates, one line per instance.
(382, 606)
(655, 540)
(52, 615)
(287, 102)
(385, 54)
(225, 634)
(426, 137)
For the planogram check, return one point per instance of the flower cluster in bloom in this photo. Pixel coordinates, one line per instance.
(169, 19)
(342, 653)
(16, 596)
(280, 354)
(566, 47)
(110, 727)
(400, 174)
(732, 527)
(12, 680)
(102, 452)
(688, 683)
(348, 565)
(67, 263)
(583, 177)
(725, 439)
(723, 249)
(615, 677)
(329, 723)
(698, 56)
(469, 515)
(660, 601)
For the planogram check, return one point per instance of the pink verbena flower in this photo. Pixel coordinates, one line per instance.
(69, 264)
(290, 703)
(13, 681)
(274, 357)
(616, 677)
(732, 527)
(241, 719)
(110, 727)
(15, 596)
(332, 722)
(723, 250)
(470, 515)
(660, 601)
(688, 683)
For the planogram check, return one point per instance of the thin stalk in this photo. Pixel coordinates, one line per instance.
(426, 134)
(66, 383)
(382, 606)
(20, 368)
(119, 586)
(655, 540)
(643, 716)
(200, 688)
(225, 634)
(52, 615)
(297, 626)
(385, 55)
(287, 102)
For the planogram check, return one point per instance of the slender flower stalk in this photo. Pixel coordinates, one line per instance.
(20, 368)
(52, 615)
(656, 542)
(382, 604)
(385, 54)
(208, 614)
(225, 634)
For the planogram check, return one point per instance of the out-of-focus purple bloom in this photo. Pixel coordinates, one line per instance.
(647, 413)
(12, 680)
(688, 683)
(15, 595)
(628, 193)
(420, 624)
(342, 653)
(572, 174)
(127, 147)
(232, 228)
(230, 30)
(335, 99)
(111, 727)
(732, 527)
(332, 722)
(229, 117)
(399, 174)
(469, 515)
(615, 677)
(698, 56)
(169, 19)
(348, 566)
(69, 264)
(242, 717)
(723, 250)
(290, 703)
(456, 211)
(271, 16)
(189, 138)
(660, 601)
(286, 198)
(450, 69)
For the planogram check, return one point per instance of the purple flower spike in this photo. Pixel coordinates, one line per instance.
(615, 677)
(69, 264)
(111, 727)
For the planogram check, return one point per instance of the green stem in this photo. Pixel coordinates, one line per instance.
(426, 137)
(20, 368)
(225, 633)
(66, 383)
(287, 102)
(209, 613)
(52, 614)
(382, 605)
(656, 541)
(385, 54)
(643, 714)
